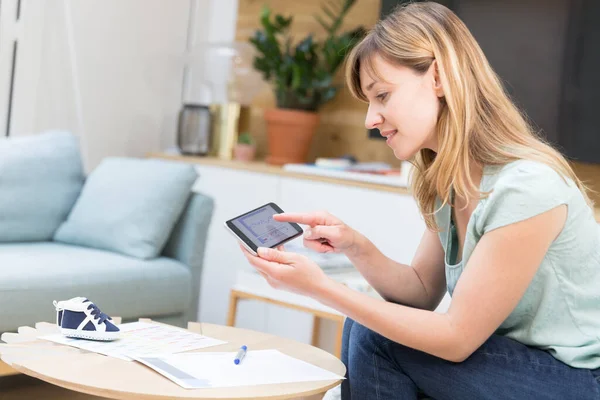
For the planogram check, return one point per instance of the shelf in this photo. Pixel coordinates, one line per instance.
(262, 167)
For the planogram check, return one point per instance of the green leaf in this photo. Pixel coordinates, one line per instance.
(265, 18)
(265, 13)
(282, 22)
(245, 138)
(296, 76)
(306, 45)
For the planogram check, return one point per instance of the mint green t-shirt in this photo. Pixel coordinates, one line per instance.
(560, 310)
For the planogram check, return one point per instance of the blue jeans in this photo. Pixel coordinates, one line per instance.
(501, 368)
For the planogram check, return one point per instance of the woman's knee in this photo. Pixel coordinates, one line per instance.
(347, 329)
(363, 343)
(372, 368)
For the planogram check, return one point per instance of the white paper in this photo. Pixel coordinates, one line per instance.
(141, 338)
(390, 180)
(212, 370)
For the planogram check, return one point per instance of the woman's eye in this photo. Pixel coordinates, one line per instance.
(381, 96)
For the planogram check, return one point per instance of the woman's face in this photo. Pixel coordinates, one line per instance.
(404, 108)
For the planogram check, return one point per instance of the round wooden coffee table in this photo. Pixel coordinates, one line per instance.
(110, 377)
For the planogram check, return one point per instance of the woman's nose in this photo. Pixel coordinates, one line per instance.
(373, 119)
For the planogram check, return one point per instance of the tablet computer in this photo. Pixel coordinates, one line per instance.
(257, 228)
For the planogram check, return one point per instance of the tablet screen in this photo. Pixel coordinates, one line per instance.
(262, 230)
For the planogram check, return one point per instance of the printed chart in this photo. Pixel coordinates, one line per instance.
(142, 338)
(263, 227)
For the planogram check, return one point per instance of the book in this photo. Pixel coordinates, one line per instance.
(389, 177)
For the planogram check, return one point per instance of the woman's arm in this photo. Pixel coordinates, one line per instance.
(499, 271)
(421, 284)
(496, 277)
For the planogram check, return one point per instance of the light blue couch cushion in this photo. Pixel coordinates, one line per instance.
(129, 206)
(34, 274)
(40, 179)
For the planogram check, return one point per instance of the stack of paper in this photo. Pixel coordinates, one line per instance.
(211, 370)
(398, 180)
(141, 338)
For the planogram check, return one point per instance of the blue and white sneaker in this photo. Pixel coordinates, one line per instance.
(80, 318)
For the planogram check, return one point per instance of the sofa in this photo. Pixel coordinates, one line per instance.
(130, 236)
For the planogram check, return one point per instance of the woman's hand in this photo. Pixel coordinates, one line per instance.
(325, 234)
(289, 271)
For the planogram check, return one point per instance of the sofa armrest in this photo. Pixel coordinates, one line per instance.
(188, 240)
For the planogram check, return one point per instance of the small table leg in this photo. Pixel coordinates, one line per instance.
(5, 370)
(235, 296)
(315, 331)
(233, 300)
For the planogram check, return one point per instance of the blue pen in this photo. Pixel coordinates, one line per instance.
(240, 355)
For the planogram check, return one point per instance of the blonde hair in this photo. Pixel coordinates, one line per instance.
(477, 120)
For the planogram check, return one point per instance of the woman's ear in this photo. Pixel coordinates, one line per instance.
(437, 82)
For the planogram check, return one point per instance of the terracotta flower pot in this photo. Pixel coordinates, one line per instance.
(244, 152)
(290, 134)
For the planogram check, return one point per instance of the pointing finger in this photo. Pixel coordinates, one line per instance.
(312, 219)
(304, 219)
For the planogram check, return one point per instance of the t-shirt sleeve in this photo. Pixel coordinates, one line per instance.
(522, 192)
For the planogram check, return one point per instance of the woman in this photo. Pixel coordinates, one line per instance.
(510, 235)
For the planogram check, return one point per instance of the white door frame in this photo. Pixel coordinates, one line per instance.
(21, 34)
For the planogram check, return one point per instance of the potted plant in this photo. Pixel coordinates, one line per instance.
(302, 76)
(245, 148)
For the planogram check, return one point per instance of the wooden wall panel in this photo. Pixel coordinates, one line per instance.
(341, 130)
(590, 174)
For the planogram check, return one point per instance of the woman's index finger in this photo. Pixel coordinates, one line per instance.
(310, 219)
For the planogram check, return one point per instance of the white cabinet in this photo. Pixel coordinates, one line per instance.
(390, 220)
(234, 193)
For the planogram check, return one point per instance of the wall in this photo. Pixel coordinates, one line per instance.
(529, 83)
(107, 71)
(110, 71)
(212, 24)
(342, 121)
(342, 129)
(535, 88)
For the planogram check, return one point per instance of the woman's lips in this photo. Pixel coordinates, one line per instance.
(389, 135)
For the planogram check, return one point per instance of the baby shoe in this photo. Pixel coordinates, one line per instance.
(80, 318)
